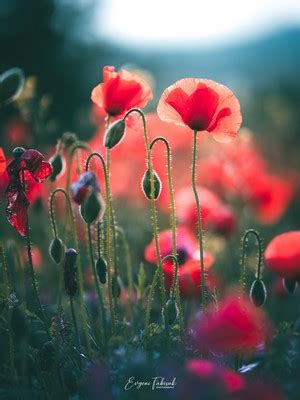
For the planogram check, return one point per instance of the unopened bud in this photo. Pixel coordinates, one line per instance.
(170, 311)
(290, 285)
(101, 267)
(57, 163)
(146, 185)
(114, 134)
(56, 250)
(11, 85)
(258, 293)
(92, 207)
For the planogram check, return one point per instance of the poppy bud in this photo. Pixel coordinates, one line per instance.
(57, 163)
(101, 267)
(114, 134)
(290, 285)
(146, 185)
(70, 272)
(91, 207)
(46, 356)
(18, 151)
(116, 289)
(171, 311)
(11, 85)
(56, 249)
(258, 292)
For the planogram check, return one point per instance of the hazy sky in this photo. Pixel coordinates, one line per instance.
(184, 22)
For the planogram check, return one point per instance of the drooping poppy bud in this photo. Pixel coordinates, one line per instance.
(114, 134)
(11, 85)
(101, 267)
(57, 163)
(116, 289)
(290, 285)
(70, 279)
(258, 293)
(170, 311)
(92, 207)
(56, 249)
(146, 185)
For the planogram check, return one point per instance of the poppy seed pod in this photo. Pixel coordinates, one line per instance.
(18, 151)
(56, 249)
(258, 293)
(114, 134)
(11, 85)
(290, 285)
(101, 267)
(116, 289)
(146, 185)
(57, 163)
(70, 272)
(92, 207)
(170, 311)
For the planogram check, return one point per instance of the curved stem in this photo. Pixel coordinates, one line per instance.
(175, 262)
(32, 273)
(153, 211)
(76, 245)
(199, 222)
(108, 234)
(77, 145)
(173, 224)
(243, 259)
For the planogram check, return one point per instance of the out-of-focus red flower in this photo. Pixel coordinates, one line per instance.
(86, 183)
(2, 161)
(33, 164)
(120, 91)
(36, 257)
(189, 273)
(202, 105)
(205, 370)
(269, 196)
(282, 255)
(216, 215)
(17, 132)
(237, 326)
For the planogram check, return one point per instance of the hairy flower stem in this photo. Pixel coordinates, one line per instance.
(243, 258)
(173, 225)
(32, 273)
(108, 240)
(154, 214)
(75, 325)
(79, 269)
(199, 223)
(98, 290)
(11, 350)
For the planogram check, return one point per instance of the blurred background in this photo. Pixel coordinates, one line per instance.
(254, 48)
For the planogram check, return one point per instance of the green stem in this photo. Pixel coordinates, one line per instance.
(108, 232)
(97, 285)
(75, 323)
(77, 145)
(11, 350)
(32, 273)
(79, 270)
(199, 222)
(153, 212)
(173, 225)
(243, 258)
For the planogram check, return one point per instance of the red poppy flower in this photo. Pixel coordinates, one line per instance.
(32, 162)
(216, 215)
(236, 326)
(205, 370)
(202, 105)
(189, 274)
(282, 255)
(120, 91)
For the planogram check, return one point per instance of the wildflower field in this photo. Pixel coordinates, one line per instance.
(156, 259)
